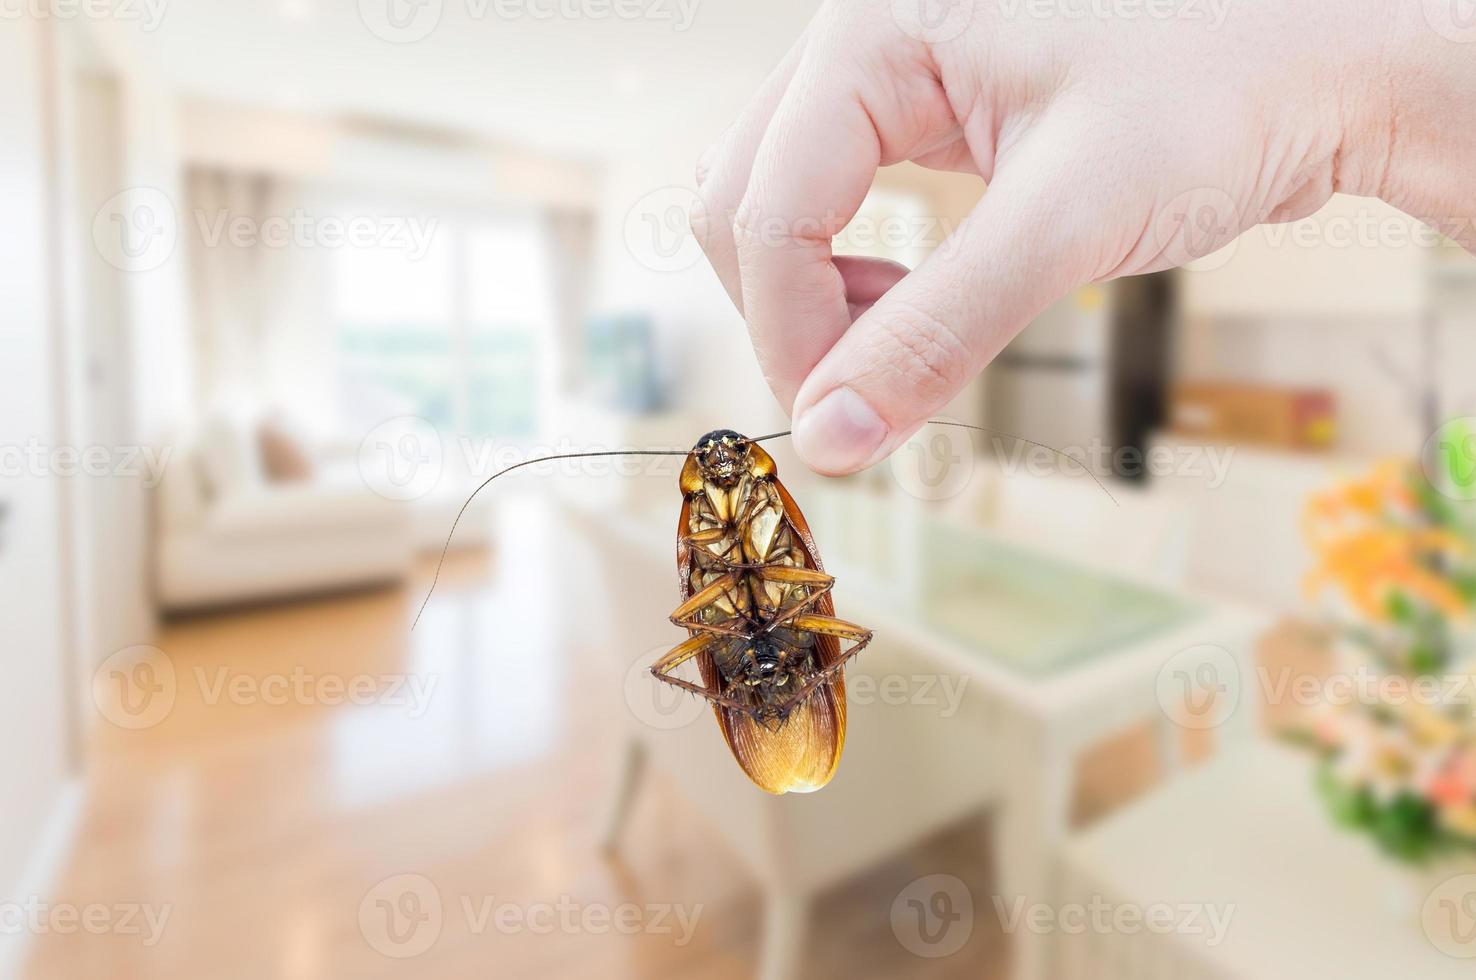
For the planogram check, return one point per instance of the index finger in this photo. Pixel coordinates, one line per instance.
(813, 169)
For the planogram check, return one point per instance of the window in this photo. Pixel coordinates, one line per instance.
(454, 335)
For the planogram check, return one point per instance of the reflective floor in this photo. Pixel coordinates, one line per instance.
(314, 791)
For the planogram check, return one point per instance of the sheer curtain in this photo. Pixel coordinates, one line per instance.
(257, 289)
(467, 314)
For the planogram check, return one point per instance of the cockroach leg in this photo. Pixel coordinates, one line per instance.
(679, 655)
(682, 652)
(829, 626)
(819, 584)
(797, 574)
(700, 539)
(684, 614)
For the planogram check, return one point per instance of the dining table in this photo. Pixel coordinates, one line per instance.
(1061, 654)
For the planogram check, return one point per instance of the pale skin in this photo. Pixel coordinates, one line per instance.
(1103, 139)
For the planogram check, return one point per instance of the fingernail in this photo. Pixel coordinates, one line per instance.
(839, 434)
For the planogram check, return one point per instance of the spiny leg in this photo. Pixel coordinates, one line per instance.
(679, 655)
(825, 626)
(683, 652)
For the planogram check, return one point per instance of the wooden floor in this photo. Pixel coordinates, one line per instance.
(266, 828)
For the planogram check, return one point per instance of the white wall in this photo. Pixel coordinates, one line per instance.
(1336, 300)
(33, 674)
(125, 368)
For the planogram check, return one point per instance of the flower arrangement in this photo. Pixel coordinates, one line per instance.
(1398, 758)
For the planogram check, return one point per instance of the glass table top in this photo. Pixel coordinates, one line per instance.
(1035, 613)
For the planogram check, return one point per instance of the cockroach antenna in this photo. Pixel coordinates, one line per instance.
(678, 452)
(502, 472)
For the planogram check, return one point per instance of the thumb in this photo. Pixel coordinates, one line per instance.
(1027, 243)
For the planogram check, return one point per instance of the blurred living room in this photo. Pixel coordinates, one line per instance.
(1171, 672)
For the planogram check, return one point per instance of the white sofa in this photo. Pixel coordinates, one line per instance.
(226, 535)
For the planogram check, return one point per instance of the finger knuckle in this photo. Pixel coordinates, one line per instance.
(699, 220)
(929, 352)
(703, 170)
(748, 224)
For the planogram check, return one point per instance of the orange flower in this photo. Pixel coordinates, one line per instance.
(1363, 550)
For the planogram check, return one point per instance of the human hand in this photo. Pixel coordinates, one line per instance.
(1111, 145)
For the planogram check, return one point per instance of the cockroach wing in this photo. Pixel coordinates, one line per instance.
(801, 755)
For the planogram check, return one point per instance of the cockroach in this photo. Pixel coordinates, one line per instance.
(761, 623)
(757, 607)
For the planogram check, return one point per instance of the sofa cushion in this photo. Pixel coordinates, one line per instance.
(284, 453)
(228, 456)
(302, 509)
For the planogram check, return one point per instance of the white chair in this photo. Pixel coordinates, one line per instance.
(908, 769)
(1297, 896)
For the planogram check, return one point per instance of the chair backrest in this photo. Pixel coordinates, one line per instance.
(911, 764)
(1140, 532)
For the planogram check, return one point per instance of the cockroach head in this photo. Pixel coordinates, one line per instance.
(721, 455)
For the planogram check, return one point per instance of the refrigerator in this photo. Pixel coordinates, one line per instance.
(1090, 375)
